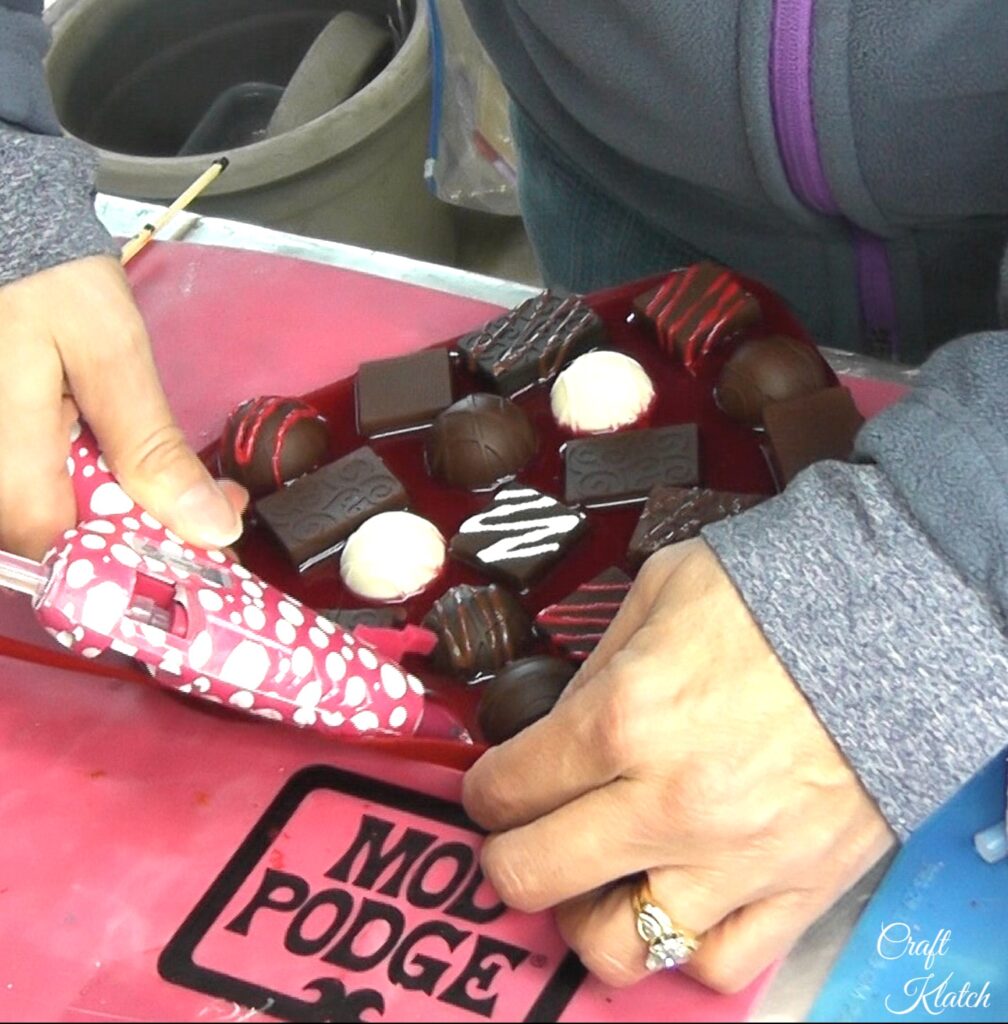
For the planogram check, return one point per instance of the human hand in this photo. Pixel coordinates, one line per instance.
(72, 343)
(682, 749)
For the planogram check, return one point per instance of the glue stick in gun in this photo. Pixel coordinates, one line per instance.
(204, 625)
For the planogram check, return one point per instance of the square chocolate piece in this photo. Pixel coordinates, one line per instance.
(695, 308)
(576, 624)
(314, 515)
(519, 535)
(614, 468)
(402, 393)
(809, 429)
(532, 342)
(673, 514)
(350, 618)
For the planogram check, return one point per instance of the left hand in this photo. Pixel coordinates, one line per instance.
(682, 749)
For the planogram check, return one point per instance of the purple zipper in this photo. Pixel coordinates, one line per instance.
(791, 48)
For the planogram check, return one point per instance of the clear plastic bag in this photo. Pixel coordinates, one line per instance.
(471, 157)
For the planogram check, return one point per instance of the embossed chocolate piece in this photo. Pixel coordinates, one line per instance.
(350, 618)
(521, 693)
(809, 429)
(313, 516)
(518, 535)
(765, 370)
(695, 309)
(576, 623)
(673, 514)
(479, 442)
(270, 440)
(479, 629)
(532, 342)
(615, 468)
(401, 393)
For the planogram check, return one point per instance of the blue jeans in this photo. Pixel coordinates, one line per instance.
(583, 239)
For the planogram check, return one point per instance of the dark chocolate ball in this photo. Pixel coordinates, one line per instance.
(521, 693)
(764, 370)
(479, 442)
(479, 629)
(270, 440)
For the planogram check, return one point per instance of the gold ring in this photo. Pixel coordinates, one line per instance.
(669, 945)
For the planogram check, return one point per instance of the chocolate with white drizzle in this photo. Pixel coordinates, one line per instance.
(532, 342)
(518, 535)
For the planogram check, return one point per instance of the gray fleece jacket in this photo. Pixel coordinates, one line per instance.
(883, 586)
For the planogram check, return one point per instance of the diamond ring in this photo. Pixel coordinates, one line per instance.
(669, 945)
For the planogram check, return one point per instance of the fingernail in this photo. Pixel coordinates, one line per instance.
(205, 515)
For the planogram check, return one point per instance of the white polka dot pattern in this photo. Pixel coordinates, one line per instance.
(266, 656)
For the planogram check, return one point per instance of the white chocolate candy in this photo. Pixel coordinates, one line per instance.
(392, 556)
(601, 391)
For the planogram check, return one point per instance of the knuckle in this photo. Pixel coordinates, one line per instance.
(619, 727)
(511, 875)
(157, 453)
(610, 970)
(727, 972)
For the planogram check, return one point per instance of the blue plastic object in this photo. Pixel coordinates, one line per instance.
(933, 941)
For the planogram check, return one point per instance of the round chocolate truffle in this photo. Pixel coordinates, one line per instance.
(479, 442)
(520, 694)
(392, 556)
(601, 391)
(479, 629)
(270, 440)
(765, 370)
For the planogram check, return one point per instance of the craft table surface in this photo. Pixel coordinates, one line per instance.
(282, 340)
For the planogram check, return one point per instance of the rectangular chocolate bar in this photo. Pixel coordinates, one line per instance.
(519, 535)
(532, 342)
(314, 515)
(614, 468)
(576, 623)
(401, 393)
(674, 514)
(809, 429)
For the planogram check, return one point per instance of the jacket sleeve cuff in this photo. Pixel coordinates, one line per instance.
(902, 659)
(47, 214)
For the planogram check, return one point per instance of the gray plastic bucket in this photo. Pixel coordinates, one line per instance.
(138, 80)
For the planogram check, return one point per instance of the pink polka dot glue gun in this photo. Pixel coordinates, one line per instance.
(204, 625)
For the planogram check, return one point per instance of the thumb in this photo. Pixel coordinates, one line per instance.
(116, 386)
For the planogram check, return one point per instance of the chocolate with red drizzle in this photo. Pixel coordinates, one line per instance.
(479, 629)
(697, 308)
(532, 342)
(576, 624)
(270, 440)
(674, 514)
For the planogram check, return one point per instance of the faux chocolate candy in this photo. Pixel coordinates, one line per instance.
(765, 370)
(402, 393)
(696, 309)
(521, 693)
(674, 514)
(479, 442)
(270, 440)
(614, 468)
(479, 629)
(518, 535)
(532, 342)
(576, 624)
(313, 516)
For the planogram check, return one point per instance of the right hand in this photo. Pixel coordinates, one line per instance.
(73, 344)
